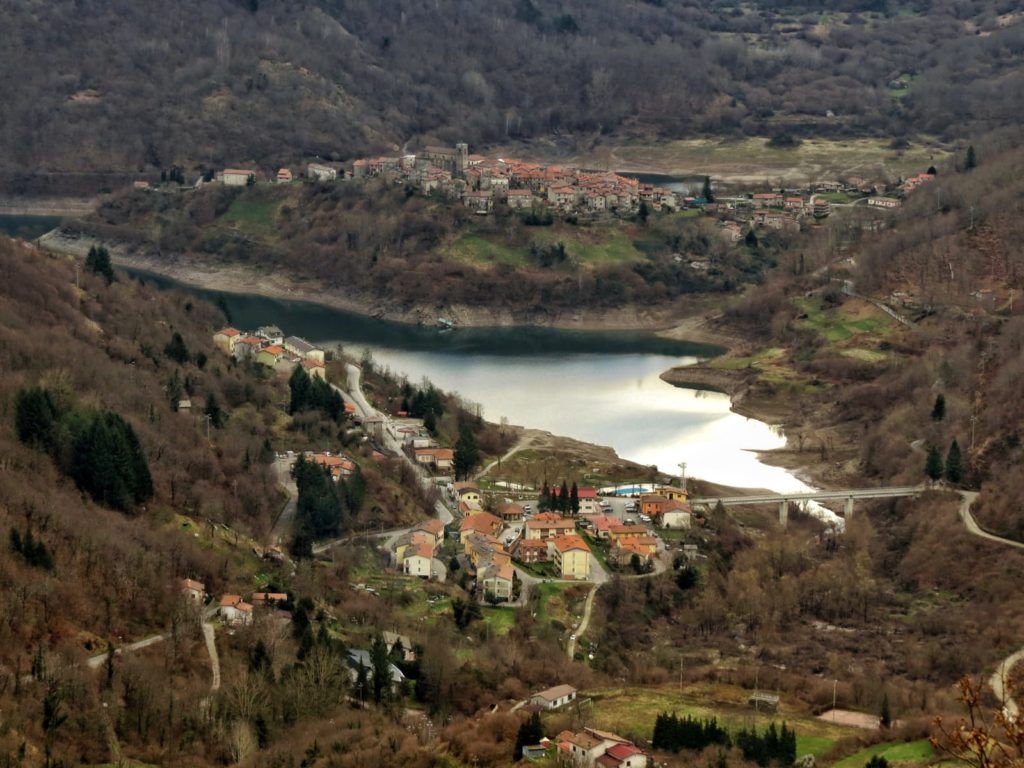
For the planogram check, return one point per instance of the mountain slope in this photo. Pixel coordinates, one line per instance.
(115, 88)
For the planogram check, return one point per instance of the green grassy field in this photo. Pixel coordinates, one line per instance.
(853, 318)
(750, 159)
(584, 246)
(553, 603)
(633, 711)
(919, 752)
(760, 359)
(773, 367)
(819, 746)
(500, 620)
(867, 355)
(252, 216)
(836, 197)
(476, 249)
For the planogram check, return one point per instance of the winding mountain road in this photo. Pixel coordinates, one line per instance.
(588, 606)
(999, 678)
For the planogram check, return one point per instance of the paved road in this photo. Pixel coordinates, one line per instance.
(389, 535)
(570, 648)
(588, 606)
(211, 648)
(283, 470)
(390, 442)
(966, 499)
(94, 662)
(1000, 676)
(365, 410)
(355, 391)
(524, 442)
(998, 682)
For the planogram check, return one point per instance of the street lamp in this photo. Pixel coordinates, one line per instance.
(835, 684)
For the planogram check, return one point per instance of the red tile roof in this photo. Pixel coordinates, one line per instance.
(622, 751)
(567, 543)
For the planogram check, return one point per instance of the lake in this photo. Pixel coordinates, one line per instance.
(27, 227)
(596, 386)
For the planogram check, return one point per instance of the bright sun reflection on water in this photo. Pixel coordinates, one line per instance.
(615, 400)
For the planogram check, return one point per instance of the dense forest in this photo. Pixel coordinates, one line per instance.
(96, 91)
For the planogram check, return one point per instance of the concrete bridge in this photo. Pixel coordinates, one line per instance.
(783, 499)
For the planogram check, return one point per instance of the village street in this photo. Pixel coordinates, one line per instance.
(355, 391)
(283, 525)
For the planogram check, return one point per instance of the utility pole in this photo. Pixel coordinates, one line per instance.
(835, 684)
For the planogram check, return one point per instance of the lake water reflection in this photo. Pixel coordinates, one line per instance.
(617, 400)
(600, 387)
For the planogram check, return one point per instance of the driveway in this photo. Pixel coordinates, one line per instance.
(283, 471)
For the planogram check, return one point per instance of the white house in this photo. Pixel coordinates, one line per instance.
(321, 172)
(553, 698)
(417, 562)
(884, 202)
(235, 611)
(271, 334)
(236, 177)
(676, 518)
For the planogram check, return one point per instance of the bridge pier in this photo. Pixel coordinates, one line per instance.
(848, 511)
(784, 512)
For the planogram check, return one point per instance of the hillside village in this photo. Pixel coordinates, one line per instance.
(480, 183)
(268, 346)
(497, 547)
(500, 541)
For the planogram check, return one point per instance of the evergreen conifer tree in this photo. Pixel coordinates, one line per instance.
(954, 466)
(933, 464)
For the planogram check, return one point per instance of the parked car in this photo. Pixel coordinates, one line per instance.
(645, 518)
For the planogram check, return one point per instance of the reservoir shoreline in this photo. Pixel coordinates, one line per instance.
(675, 321)
(240, 281)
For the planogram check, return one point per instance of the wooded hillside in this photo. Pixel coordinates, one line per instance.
(949, 262)
(121, 87)
(376, 242)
